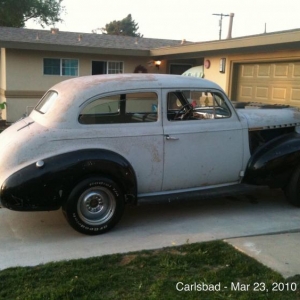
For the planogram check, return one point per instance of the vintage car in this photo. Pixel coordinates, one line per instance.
(93, 144)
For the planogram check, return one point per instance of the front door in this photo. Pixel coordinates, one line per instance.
(203, 146)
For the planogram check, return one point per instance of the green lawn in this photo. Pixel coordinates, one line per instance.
(151, 275)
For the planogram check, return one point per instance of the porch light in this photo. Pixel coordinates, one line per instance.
(222, 65)
(157, 63)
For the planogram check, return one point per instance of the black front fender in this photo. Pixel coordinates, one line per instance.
(46, 187)
(274, 162)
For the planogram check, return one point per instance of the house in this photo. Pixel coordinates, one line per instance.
(262, 68)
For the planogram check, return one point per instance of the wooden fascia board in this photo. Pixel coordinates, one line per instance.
(267, 40)
(76, 49)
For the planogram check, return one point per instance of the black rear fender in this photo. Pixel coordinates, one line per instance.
(47, 187)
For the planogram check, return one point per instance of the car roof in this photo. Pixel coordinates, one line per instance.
(107, 83)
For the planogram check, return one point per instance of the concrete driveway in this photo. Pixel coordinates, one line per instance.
(33, 238)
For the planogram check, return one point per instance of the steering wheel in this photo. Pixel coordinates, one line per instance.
(184, 112)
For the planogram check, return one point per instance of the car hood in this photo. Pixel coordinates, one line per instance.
(269, 118)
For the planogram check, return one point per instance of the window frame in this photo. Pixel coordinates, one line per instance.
(115, 69)
(46, 102)
(182, 97)
(122, 112)
(107, 62)
(61, 68)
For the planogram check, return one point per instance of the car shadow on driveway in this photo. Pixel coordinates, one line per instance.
(39, 237)
(245, 214)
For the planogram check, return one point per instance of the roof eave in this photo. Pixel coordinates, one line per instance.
(280, 40)
(73, 48)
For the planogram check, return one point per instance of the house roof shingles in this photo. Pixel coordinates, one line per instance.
(22, 38)
(33, 39)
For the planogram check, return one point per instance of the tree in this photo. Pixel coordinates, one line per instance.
(14, 13)
(127, 27)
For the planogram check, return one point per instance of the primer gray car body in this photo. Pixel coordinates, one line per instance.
(95, 143)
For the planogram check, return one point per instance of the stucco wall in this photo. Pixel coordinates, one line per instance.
(18, 107)
(2, 80)
(0, 65)
(25, 82)
(25, 68)
(3, 69)
(213, 72)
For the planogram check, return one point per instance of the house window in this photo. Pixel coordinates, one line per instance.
(114, 67)
(69, 67)
(107, 67)
(61, 67)
(51, 66)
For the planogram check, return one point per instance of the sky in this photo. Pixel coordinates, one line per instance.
(192, 20)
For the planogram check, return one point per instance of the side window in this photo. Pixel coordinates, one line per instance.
(102, 106)
(209, 105)
(175, 101)
(121, 108)
(196, 105)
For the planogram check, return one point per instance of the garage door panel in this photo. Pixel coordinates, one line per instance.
(262, 93)
(247, 71)
(281, 71)
(264, 71)
(295, 95)
(246, 91)
(296, 70)
(276, 82)
(279, 94)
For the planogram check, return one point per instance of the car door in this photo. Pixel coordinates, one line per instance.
(129, 123)
(204, 148)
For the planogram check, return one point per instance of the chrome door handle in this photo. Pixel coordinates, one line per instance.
(170, 138)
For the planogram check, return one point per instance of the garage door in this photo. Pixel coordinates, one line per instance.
(276, 82)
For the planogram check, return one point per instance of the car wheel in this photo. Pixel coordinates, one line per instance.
(94, 206)
(292, 190)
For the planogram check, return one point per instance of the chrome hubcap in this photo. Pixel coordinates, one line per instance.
(93, 202)
(96, 206)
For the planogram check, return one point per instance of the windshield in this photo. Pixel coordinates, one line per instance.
(46, 102)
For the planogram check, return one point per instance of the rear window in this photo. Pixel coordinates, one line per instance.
(46, 102)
